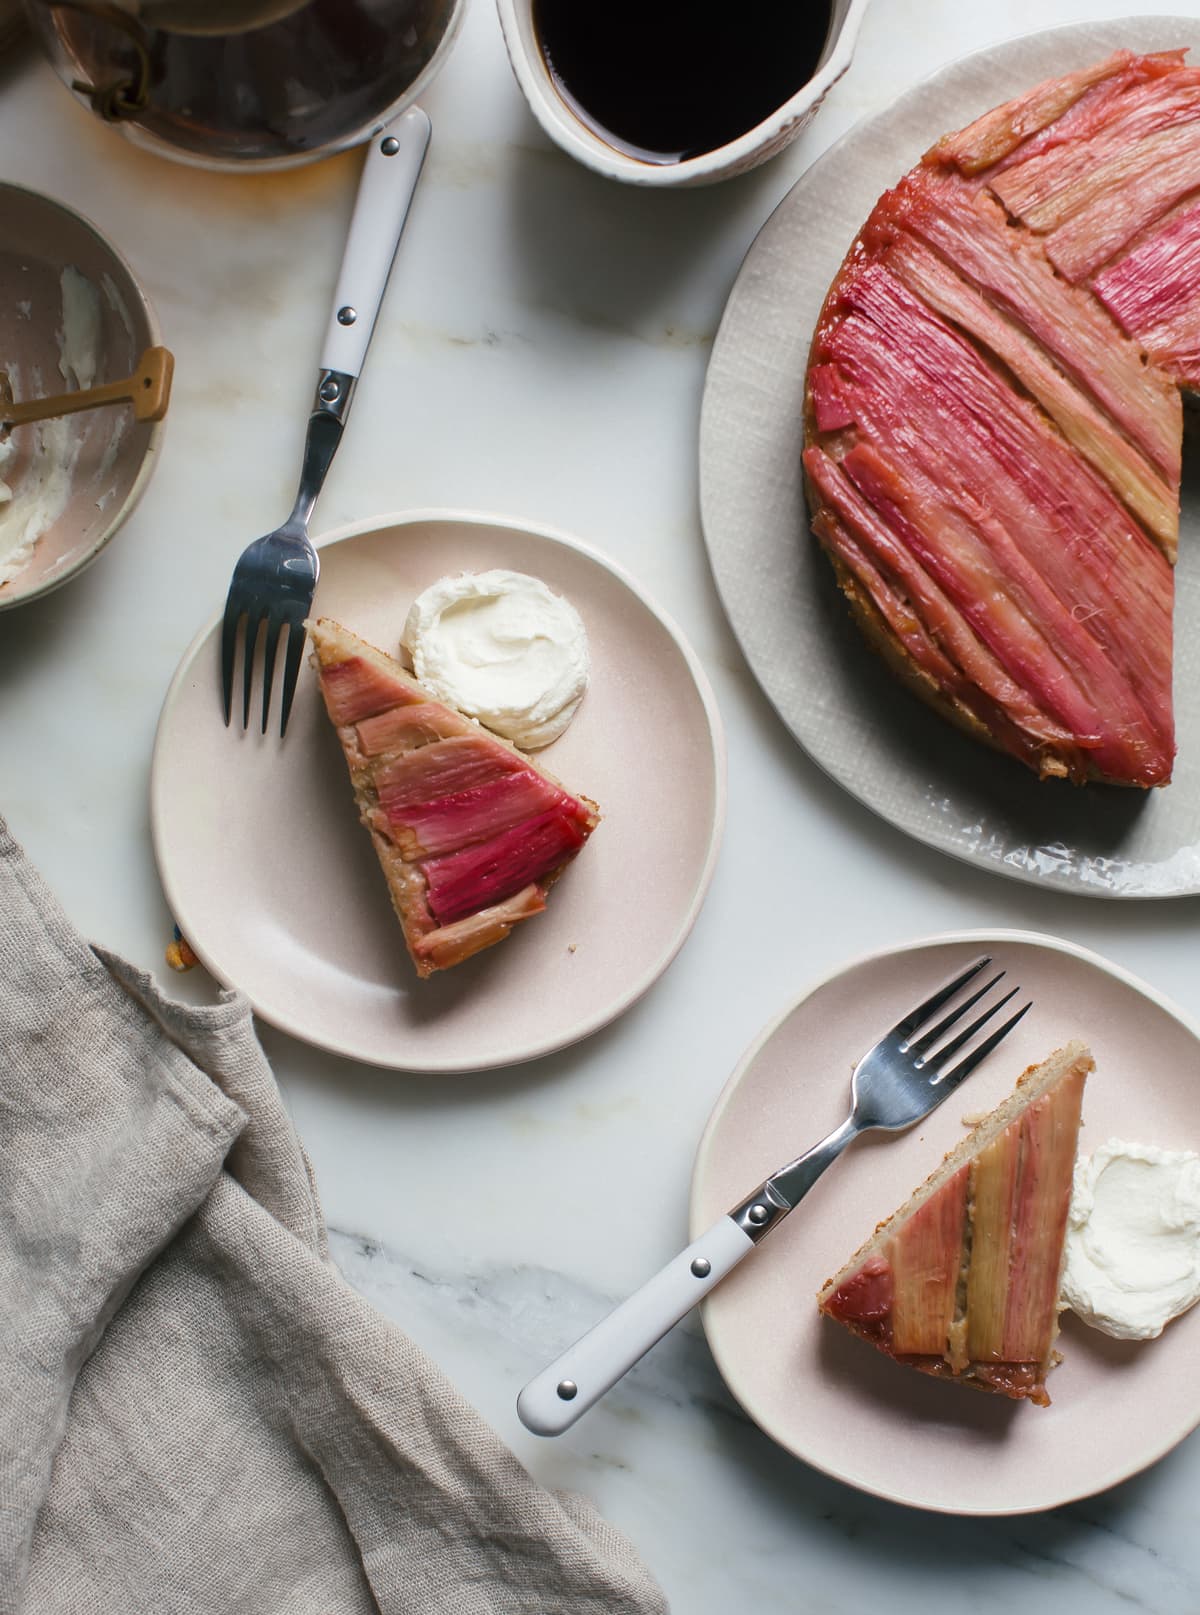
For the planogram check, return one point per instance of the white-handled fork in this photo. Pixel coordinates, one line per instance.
(908, 1073)
(276, 576)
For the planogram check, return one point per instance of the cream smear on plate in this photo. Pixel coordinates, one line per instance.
(1133, 1240)
(503, 648)
(40, 488)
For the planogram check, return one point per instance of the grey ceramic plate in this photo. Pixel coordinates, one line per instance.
(882, 745)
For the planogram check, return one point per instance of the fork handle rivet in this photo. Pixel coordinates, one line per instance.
(758, 1215)
(390, 146)
(330, 391)
(567, 1390)
(347, 315)
(702, 1267)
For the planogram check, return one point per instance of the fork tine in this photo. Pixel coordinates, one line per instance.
(965, 1036)
(951, 1079)
(274, 634)
(291, 670)
(921, 1014)
(929, 1040)
(248, 649)
(229, 631)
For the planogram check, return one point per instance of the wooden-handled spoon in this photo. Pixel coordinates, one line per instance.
(148, 389)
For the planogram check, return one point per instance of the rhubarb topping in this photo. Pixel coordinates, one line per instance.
(451, 944)
(1154, 293)
(993, 1191)
(1138, 190)
(357, 688)
(971, 484)
(407, 725)
(1140, 487)
(1049, 1131)
(442, 768)
(1047, 189)
(865, 1299)
(993, 464)
(925, 1255)
(1000, 131)
(1011, 273)
(470, 833)
(450, 822)
(475, 877)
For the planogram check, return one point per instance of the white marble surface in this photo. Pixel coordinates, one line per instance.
(541, 354)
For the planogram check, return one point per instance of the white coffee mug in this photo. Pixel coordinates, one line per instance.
(747, 151)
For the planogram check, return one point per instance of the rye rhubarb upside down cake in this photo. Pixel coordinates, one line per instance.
(962, 1282)
(994, 419)
(469, 831)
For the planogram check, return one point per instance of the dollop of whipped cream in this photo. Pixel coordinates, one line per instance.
(503, 648)
(1133, 1240)
(31, 505)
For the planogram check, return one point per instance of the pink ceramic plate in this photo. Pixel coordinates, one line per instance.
(833, 1400)
(276, 886)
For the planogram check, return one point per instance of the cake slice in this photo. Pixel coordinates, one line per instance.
(470, 833)
(962, 1281)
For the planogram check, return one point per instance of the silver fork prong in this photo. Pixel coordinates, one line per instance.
(274, 634)
(950, 1049)
(917, 1017)
(950, 1080)
(253, 624)
(291, 671)
(922, 1045)
(229, 636)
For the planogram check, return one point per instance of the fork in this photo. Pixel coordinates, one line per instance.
(276, 576)
(901, 1079)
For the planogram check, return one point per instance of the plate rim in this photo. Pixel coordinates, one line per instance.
(714, 728)
(925, 835)
(697, 1221)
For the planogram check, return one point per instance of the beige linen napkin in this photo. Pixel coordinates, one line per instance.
(199, 1416)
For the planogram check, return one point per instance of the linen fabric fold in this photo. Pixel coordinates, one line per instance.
(200, 1415)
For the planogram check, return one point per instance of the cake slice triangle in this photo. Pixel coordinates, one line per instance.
(962, 1281)
(470, 832)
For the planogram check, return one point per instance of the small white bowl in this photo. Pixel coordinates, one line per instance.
(747, 151)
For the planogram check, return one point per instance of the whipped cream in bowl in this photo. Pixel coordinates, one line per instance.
(503, 648)
(1133, 1239)
(40, 492)
(77, 317)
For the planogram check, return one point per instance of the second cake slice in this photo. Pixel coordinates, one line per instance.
(962, 1281)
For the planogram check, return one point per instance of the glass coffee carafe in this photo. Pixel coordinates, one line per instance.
(245, 83)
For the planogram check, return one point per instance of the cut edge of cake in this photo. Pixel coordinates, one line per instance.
(861, 1295)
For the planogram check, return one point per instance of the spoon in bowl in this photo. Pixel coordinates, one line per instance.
(148, 389)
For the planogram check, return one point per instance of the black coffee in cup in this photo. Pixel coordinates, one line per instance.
(665, 80)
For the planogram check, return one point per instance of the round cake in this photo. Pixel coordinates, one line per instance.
(994, 419)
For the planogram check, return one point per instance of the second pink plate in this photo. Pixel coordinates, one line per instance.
(833, 1400)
